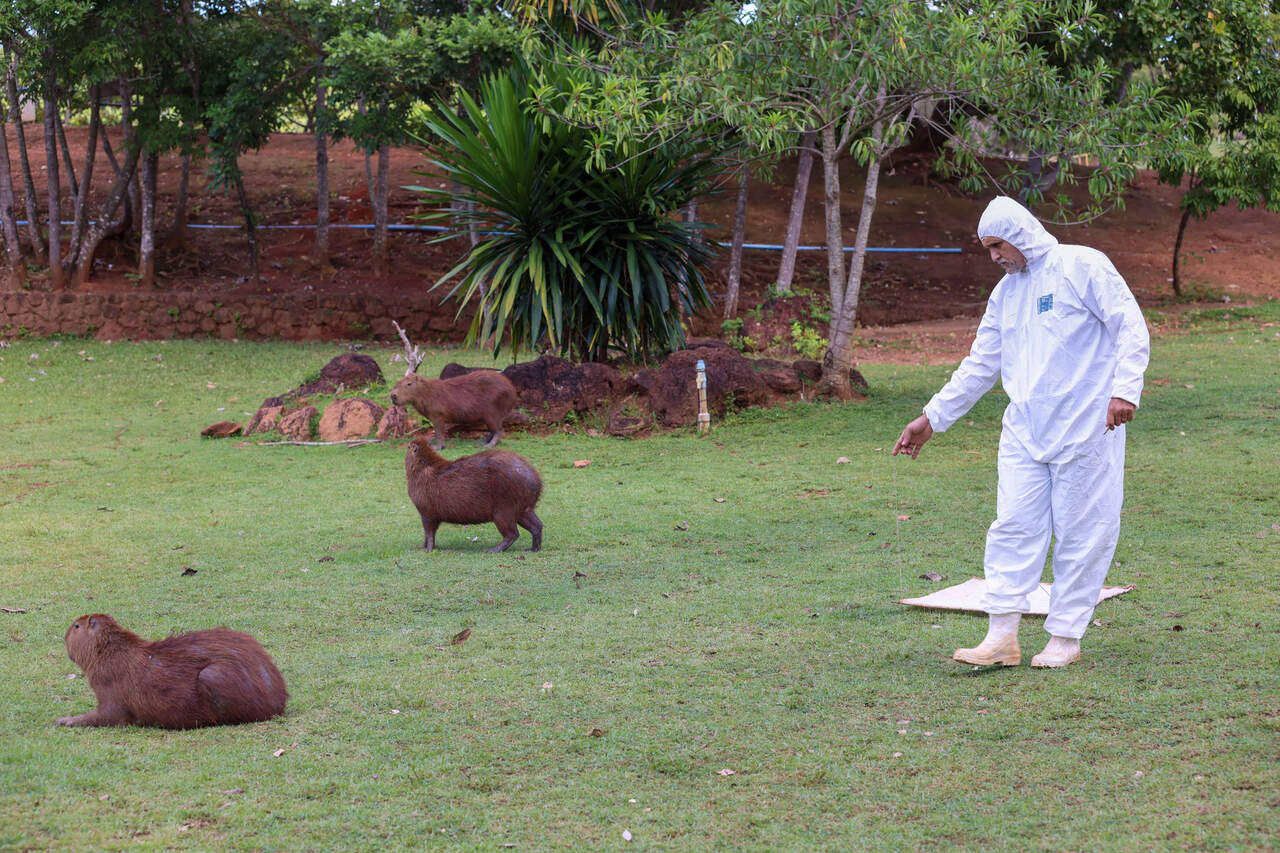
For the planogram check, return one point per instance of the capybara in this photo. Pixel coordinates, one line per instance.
(492, 485)
(479, 397)
(204, 678)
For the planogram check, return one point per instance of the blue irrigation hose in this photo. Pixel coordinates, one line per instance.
(774, 247)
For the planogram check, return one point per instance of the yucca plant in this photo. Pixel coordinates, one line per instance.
(584, 262)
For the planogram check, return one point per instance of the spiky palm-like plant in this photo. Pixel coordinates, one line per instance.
(583, 261)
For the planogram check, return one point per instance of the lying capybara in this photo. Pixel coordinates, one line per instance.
(492, 485)
(204, 678)
(479, 397)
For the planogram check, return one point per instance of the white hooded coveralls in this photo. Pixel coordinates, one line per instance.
(1064, 336)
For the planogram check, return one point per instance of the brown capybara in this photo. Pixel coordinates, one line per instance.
(472, 399)
(492, 485)
(204, 678)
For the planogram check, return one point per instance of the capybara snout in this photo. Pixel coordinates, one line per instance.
(490, 486)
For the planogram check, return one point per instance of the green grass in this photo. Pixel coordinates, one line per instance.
(765, 638)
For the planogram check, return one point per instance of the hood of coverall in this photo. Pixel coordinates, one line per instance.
(1017, 226)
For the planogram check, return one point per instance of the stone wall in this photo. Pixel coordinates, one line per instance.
(191, 314)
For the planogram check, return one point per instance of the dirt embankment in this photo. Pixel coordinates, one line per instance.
(914, 305)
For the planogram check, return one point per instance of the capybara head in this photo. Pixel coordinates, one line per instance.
(88, 635)
(411, 385)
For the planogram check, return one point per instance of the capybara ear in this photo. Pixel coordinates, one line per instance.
(93, 624)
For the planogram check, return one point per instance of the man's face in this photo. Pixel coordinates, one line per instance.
(1005, 255)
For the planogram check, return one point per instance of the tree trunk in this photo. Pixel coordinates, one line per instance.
(80, 216)
(321, 250)
(147, 241)
(831, 204)
(1177, 251)
(72, 186)
(378, 194)
(250, 227)
(836, 362)
(28, 183)
(56, 279)
(176, 236)
(735, 249)
(8, 221)
(105, 224)
(804, 167)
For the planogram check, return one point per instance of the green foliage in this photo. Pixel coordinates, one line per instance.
(731, 332)
(584, 260)
(806, 341)
(760, 634)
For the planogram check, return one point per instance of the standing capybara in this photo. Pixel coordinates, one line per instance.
(492, 485)
(479, 397)
(204, 678)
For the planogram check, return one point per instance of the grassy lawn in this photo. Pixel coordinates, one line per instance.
(738, 613)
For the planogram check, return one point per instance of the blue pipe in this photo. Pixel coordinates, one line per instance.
(774, 247)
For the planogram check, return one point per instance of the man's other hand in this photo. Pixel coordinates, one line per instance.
(914, 436)
(1118, 412)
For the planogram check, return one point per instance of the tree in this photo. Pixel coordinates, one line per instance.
(584, 259)
(1222, 58)
(380, 69)
(858, 73)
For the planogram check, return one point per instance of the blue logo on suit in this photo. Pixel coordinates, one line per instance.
(1046, 303)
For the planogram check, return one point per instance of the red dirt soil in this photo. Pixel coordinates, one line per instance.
(912, 307)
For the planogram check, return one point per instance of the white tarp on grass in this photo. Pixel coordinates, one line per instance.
(967, 595)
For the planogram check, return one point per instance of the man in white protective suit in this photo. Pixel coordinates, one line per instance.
(1066, 338)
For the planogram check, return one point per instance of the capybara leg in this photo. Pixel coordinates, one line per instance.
(216, 682)
(493, 437)
(533, 524)
(429, 527)
(509, 532)
(437, 439)
(96, 717)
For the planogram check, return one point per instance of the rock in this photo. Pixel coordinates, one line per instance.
(808, 369)
(394, 424)
(222, 429)
(264, 420)
(347, 419)
(550, 387)
(349, 370)
(783, 380)
(623, 425)
(296, 426)
(640, 382)
(731, 382)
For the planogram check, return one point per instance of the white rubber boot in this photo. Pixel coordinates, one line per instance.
(1000, 645)
(1059, 651)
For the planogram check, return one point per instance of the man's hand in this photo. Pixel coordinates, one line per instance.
(1118, 412)
(914, 436)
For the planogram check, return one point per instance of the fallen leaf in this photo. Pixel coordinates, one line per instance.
(460, 637)
(684, 525)
(577, 578)
(187, 571)
(897, 755)
(234, 791)
(12, 610)
(727, 772)
(719, 500)
(1177, 627)
(626, 835)
(843, 460)
(105, 797)
(325, 559)
(546, 686)
(599, 732)
(904, 518)
(278, 753)
(581, 463)
(932, 576)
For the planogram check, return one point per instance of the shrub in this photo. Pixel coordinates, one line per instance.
(584, 260)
